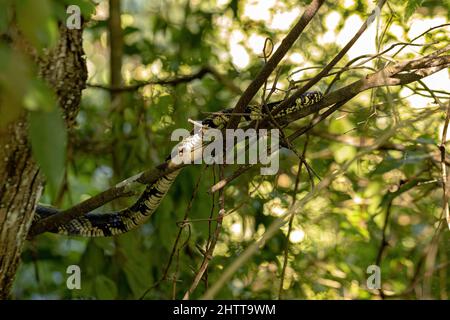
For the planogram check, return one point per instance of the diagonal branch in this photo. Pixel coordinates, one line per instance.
(119, 190)
(392, 75)
(275, 226)
(291, 100)
(246, 97)
(272, 63)
(174, 81)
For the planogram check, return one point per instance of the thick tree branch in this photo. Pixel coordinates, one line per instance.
(247, 96)
(390, 76)
(121, 189)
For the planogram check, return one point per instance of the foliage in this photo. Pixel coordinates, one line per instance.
(335, 236)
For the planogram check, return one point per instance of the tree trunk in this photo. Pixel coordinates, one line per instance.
(21, 185)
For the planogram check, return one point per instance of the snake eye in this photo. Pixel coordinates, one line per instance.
(208, 123)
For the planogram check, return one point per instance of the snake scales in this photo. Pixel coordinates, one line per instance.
(114, 223)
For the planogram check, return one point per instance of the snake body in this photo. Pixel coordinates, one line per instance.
(114, 223)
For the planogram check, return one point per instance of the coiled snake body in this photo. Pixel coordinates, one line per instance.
(114, 223)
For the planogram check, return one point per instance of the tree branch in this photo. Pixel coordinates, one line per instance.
(119, 190)
(392, 75)
(281, 221)
(389, 76)
(291, 100)
(174, 81)
(272, 63)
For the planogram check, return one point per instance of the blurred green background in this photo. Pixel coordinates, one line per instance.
(334, 238)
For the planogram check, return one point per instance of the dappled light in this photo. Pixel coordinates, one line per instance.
(361, 171)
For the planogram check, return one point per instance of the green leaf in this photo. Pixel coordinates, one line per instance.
(129, 30)
(36, 21)
(138, 277)
(107, 244)
(48, 138)
(447, 6)
(411, 159)
(5, 16)
(411, 7)
(14, 83)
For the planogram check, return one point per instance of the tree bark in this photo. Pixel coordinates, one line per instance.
(21, 185)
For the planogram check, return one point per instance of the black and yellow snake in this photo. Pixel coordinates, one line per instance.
(114, 223)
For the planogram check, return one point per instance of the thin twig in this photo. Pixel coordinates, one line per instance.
(291, 220)
(392, 75)
(444, 175)
(174, 248)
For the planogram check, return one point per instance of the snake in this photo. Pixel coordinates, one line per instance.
(94, 224)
